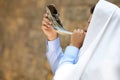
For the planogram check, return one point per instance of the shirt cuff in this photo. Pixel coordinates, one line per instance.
(53, 45)
(72, 51)
(71, 54)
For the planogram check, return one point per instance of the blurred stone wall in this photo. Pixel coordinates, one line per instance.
(22, 42)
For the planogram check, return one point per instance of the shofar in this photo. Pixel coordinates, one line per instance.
(53, 16)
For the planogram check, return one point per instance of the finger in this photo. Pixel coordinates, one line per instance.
(47, 21)
(46, 24)
(46, 15)
(44, 27)
(78, 30)
(82, 31)
(74, 30)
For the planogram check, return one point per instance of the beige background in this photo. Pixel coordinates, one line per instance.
(22, 43)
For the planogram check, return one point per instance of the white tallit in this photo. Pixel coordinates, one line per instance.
(99, 57)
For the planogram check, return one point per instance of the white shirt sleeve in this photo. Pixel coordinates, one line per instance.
(54, 53)
(56, 57)
(70, 56)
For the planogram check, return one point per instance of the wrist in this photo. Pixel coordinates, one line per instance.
(50, 38)
(76, 45)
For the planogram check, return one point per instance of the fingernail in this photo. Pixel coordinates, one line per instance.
(78, 30)
(45, 15)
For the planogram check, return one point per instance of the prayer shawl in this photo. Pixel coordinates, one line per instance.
(99, 58)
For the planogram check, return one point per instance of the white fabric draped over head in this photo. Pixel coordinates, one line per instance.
(101, 47)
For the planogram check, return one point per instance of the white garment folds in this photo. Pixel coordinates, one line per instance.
(99, 58)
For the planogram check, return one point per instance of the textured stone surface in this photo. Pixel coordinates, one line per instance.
(22, 42)
(78, 2)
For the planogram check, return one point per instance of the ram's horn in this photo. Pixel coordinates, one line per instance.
(53, 16)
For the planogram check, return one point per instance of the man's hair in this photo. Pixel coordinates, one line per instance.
(92, 9)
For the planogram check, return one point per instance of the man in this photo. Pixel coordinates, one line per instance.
(54, 51)
(99, 57)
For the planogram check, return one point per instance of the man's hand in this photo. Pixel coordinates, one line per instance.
(77, 38)
(47, 29)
